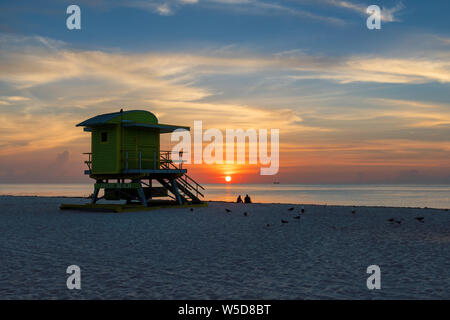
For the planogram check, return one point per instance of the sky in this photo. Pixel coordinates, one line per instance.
(353, 105)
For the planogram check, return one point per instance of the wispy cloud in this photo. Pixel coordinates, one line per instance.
(387, 14)
(444, 40)
(170, 74)
(7, 100)
(250, 7)
(266, 7)
(420, 114)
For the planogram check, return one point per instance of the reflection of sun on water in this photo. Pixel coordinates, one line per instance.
(227, 178)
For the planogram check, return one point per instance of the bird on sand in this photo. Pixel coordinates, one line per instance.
(297, 217)
(245, 214)
(420, 219)
(392, 220)
(192, 209)
(353, 211)
(227, 210)
(284, 221)
(303, 210)
(290, 209)
(267, 225)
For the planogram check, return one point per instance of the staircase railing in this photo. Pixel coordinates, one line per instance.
(187, 182)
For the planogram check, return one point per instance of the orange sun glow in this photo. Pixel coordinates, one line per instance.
(227, 178)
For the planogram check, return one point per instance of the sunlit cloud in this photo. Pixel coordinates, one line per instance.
(381, 70)
(170, 73)
(47, 87)
(7, 100)
(420, 114)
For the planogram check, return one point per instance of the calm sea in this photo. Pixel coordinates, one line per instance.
(432, 196)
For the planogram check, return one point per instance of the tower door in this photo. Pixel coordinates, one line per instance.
(149, 157)
(148, 145)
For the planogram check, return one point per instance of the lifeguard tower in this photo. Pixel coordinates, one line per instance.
(126, 159)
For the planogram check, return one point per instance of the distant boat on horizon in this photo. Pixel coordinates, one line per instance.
(276, 182)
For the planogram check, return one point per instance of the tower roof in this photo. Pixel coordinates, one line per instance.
(131, 118)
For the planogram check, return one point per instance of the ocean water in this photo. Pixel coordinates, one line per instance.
(432, 196)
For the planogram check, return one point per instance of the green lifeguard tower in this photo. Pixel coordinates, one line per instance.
(125, 159)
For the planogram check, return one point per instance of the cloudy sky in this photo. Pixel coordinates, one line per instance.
(353, 105)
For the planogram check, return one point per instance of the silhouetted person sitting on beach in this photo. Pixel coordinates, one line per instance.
(247, 199)
(239, 199)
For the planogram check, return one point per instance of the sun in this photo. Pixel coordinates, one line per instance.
(227, 178)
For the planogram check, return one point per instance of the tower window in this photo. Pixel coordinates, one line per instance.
(104, 136)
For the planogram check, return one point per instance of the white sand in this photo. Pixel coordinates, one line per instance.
(212, 254)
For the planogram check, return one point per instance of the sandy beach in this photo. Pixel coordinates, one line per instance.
(209, 253)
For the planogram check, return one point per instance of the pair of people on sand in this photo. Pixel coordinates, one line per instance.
(246, 199)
